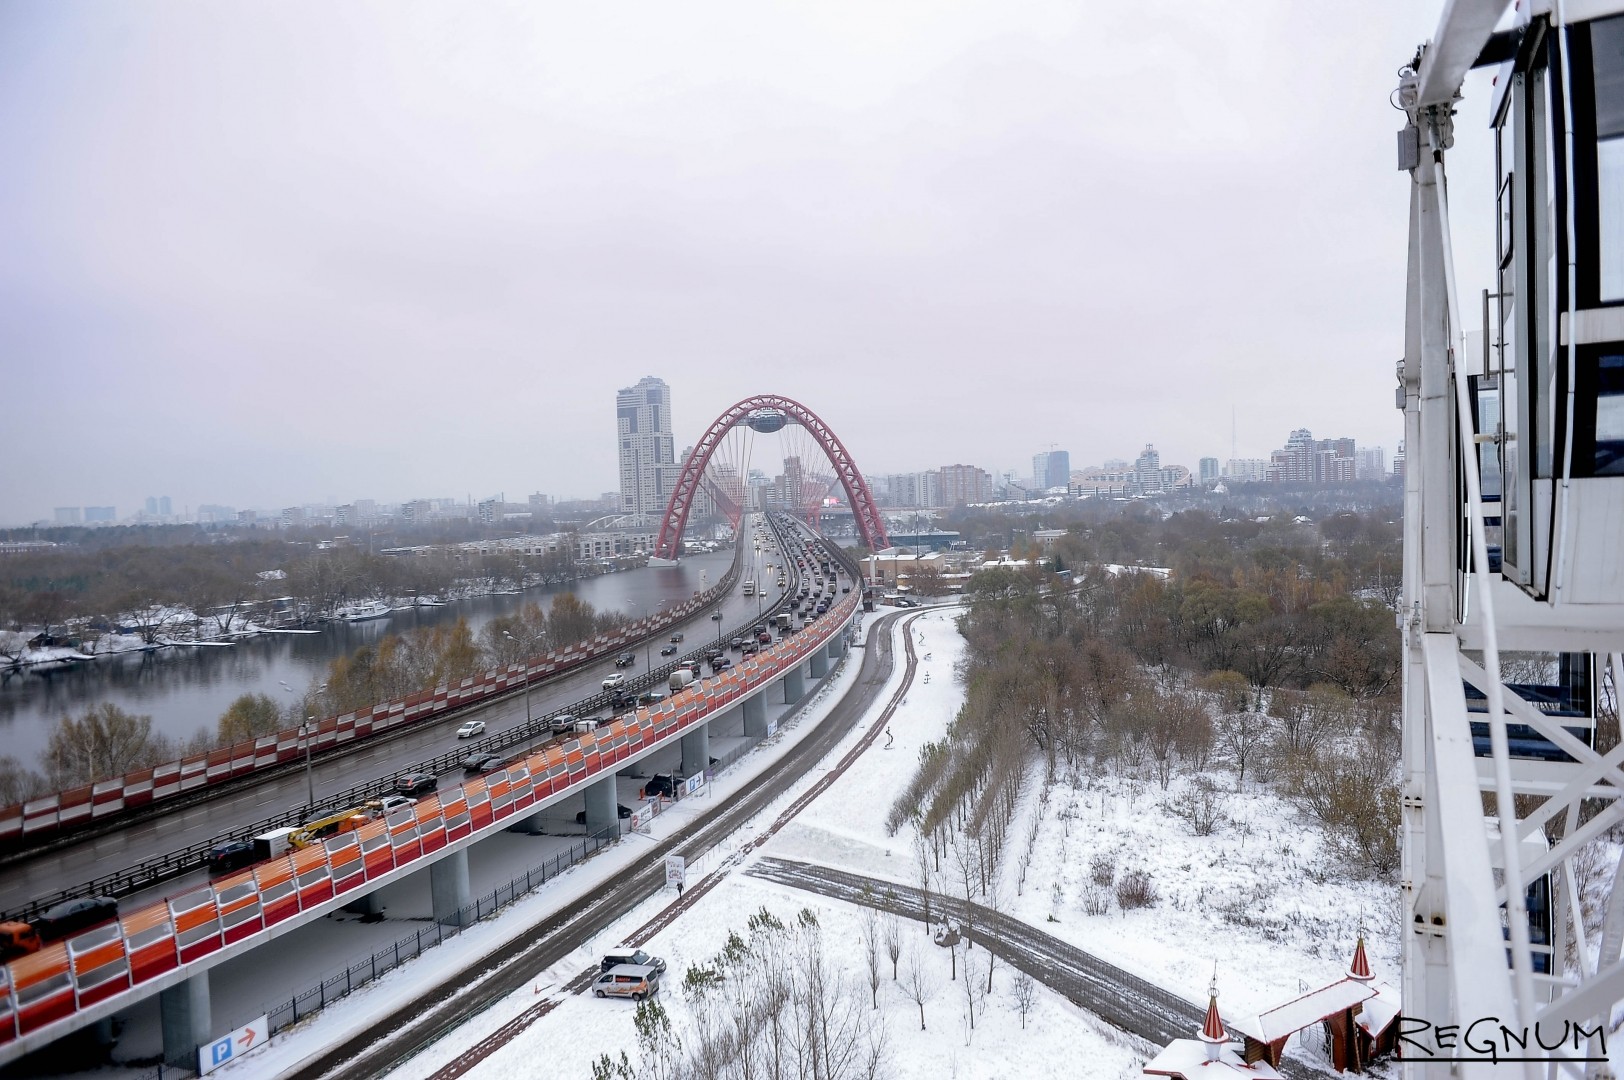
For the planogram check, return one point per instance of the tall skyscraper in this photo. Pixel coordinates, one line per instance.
(1209, 471)
(648, 467)
(1051, 469)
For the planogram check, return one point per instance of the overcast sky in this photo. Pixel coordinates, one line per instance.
(261, 254)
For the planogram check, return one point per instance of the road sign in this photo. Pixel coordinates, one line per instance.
(692, 785)
(676, 870)
(642, 817)
(233, 1046)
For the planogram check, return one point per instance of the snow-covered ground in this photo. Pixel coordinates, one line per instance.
(1250, 898)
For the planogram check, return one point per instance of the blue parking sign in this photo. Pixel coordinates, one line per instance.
(220, 1052)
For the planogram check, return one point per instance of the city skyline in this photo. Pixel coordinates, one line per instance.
(351, 317)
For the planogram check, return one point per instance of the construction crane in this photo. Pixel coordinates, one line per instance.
(1513, 604)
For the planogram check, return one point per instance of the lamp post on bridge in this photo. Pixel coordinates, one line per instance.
(529, 729)
(306, 730)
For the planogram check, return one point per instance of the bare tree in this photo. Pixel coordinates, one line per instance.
(919, 986)
(922, 860)
(893, 942)
(105, 741)
(1026, 995)
(1243, 737)
(871, 954)
(972, 989)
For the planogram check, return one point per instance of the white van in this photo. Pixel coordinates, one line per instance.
(635, 981)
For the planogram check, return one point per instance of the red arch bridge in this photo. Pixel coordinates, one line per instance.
(767, 413)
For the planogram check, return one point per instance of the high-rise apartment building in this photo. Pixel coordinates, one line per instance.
(1147, 470)
(648, 467)
(962, 485)
(101, 513)
(69, 515)
(1209, 471)
(1051, 469)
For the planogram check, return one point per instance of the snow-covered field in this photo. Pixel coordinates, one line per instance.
(1247, 898)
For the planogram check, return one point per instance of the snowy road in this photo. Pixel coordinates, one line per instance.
(1122, 1000)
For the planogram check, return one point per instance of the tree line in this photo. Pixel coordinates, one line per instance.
(1259, 652)
(83, 592)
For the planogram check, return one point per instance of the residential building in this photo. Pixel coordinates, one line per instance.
(1305, 460)
(963, 484)
(648, 467)
(490, 510)
(69, 515)
(1209, 471)
(101, 514)
(1247, 470)
(1369, 463)
(1147, 470)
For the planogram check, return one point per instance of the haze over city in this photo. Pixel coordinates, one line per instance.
(417, 252)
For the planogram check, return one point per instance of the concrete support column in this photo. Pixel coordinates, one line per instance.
(819, 661)
(530, 826)
(755, 716)
(696, 744)
(448, 886)
(794, 685)
(366, 905)
(602, 814)
(832, 649)
(184, 1013)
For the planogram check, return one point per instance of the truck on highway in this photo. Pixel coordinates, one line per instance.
(749, 587)
(318, 829)
(783, 621)
(680, 679)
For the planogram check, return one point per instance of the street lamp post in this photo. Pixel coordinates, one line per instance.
(529, 729)
(310, 779)
(306, 731)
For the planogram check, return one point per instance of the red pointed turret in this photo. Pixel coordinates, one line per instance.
(1360, 968)
(1212, 1028)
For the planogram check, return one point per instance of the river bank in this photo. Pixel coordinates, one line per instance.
(187, 685)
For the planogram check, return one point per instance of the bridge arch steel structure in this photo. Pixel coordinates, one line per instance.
(869, 523)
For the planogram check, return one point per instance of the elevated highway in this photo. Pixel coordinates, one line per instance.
(168, 947)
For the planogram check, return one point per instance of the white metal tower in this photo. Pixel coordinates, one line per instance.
(1514, 543)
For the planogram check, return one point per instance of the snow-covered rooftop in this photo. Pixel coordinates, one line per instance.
(1187, 1058)
(1311, 1008)
(1380, 1010)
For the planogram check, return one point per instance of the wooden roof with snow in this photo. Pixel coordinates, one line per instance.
(1283, 1021)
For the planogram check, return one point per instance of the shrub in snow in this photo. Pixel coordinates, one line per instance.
(1102, 869)
(1135, 890)
(1096, 900)
(1201, 805)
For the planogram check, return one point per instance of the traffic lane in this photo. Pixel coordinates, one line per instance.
(70, 867)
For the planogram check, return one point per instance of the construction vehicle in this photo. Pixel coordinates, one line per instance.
(315, 831)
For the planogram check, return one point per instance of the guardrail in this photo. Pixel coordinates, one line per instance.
(155, 871)
(45, 995)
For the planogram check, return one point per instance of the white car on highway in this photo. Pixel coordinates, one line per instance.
(614, 680)
(470, 729)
